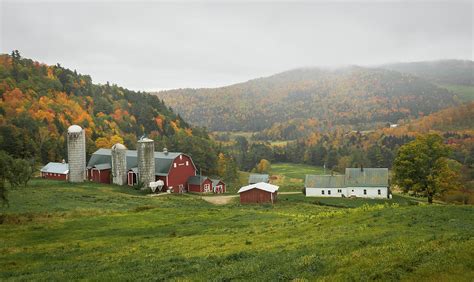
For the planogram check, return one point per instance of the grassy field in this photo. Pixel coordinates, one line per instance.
(290, 177)
(58, 231)
(465, 92)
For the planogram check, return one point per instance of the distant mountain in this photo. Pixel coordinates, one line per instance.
(354, 96)
(458, 72)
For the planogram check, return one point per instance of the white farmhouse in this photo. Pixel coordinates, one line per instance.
(357, 182)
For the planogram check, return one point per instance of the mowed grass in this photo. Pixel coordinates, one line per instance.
(290, 177)
(59, 231)
(297, 171)
(464, 92)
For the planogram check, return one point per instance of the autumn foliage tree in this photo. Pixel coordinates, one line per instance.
(422, 167)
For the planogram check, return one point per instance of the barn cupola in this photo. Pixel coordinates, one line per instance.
(165, 151)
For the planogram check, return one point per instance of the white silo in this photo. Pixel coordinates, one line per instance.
(119, 164)
(146, 161)
(76, 153)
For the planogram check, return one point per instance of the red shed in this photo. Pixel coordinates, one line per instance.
(258, 193)
(218, 186)
(199, 184)
(56, 171)
(99, 173)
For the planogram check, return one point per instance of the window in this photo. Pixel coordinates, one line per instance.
(180, 157)
(329, 192)
(339, 191)
(322, 192)
(379, 192)
(365, 192)
(187, 163)
(174, 165)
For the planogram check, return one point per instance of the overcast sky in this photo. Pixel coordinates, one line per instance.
(154, 46)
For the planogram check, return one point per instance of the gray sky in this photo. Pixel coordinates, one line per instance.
(154, 46)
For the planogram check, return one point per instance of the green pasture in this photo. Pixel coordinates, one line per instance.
(59, 231)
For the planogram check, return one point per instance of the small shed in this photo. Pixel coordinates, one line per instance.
(218, 186)
(260, 192)
(100, 173)
(257, 177)
(56, 171)
(199, 184)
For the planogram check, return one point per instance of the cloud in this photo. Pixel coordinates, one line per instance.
(153, 45)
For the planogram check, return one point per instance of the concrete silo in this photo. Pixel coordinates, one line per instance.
(146, 161)
(76, 153)
(119, 164)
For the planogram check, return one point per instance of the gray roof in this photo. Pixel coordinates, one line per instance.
(354, 177)
(215, 182)
(197, 179)
(162, 161)
(255, 178)
(103, 166)
(52, 167)
(367, 177)
(324, 181)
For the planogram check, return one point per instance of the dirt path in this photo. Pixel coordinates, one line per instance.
(222, 200)
(219, 200)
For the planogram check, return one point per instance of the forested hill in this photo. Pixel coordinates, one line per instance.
(458, 72)
(354, 96)
(39, 102)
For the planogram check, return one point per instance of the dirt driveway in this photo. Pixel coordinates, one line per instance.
(222, 200)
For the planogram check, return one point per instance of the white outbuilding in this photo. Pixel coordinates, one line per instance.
(356, 182)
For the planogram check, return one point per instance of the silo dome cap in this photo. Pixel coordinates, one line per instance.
(74, 128)
(144, 139)
(119, 146)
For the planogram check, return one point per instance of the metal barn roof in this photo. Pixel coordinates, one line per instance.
(52, 167)
(197, 180)
(261, 186)
(324, 181)
(367, 177)
(256, 177)
(216, 181)
(162, 161)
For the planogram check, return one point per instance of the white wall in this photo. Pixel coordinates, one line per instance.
(371, 192)
(318, 192)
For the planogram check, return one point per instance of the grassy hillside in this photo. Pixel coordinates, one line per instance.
(464, 92)
(354, 96)
(59, 231)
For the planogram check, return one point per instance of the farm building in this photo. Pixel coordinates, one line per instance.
(199, 184)
(218, 186)
(356, 182)
(57, 171)
(100, 173)
(260, 192)
(172, 167)
(256, 178)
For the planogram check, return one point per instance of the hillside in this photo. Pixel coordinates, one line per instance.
(451, 72)
(355, 97)
(61, 231)
(39, 102)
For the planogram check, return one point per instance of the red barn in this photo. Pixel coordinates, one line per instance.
(258, 193)
(100, 173)
(199, 184)
(218, 186)
(56, 171)
(172, 167)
